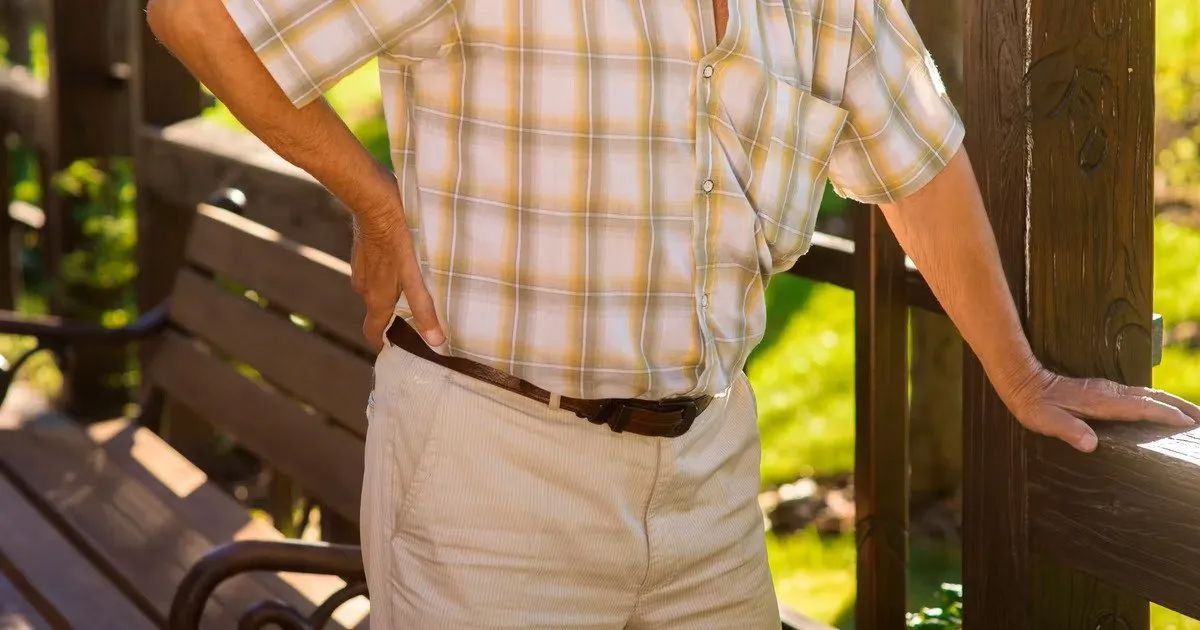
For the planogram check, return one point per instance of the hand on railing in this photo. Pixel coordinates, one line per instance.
(1056, 405)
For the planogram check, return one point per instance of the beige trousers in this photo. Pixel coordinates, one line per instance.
(483, 508)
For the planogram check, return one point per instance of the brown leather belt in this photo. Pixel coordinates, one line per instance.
(665, 418)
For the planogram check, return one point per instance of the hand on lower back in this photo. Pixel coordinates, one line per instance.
(1056, 405)
(384, 266)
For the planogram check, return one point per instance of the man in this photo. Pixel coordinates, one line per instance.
(589, 198)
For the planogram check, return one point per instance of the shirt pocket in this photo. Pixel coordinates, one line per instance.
(787, 187)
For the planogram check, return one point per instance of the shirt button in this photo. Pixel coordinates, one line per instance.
(704, 301)
(708, 71)
(707, 186)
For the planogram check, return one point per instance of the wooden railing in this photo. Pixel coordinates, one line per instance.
(1053, 538)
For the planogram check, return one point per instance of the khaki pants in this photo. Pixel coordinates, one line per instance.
(483, 508)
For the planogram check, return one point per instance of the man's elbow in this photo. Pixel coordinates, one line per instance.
(172, 21)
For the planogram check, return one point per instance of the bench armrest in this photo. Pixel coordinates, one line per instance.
(226, 561)
(57, 335)
(51, 330)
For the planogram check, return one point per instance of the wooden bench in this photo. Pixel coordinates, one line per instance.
(103, 523)
(114, 528)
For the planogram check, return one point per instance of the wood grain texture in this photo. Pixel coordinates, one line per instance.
(296, 278)
(189, 161)
(313, 369)
(137, 542)
(16, 611)
(1128, 513)
(88, 104)
(1091, 91)
(881, 422)
(325, 459)
(70, 591)
(996, 562)
(185, 489)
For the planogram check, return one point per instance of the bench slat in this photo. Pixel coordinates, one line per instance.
(297, 278)
(80, 596)
(139, 543)
(320, 373)
(322, 457)
(215, 515)
(16, 612)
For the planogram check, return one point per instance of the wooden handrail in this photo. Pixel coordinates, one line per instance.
(23, 99)
(831, 260)
(1128, 513)
(185, 163)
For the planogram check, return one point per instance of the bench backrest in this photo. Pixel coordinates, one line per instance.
(265, 344)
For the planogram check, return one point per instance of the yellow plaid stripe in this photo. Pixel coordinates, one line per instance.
(599, 190)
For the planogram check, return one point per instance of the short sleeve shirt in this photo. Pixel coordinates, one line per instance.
(599, 190)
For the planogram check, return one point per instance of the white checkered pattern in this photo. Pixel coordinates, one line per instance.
(598, 189)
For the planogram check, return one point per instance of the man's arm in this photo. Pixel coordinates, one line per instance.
(201, 34)
(945, 229)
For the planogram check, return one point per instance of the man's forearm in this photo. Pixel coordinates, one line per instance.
(204, 38)
(945, 230)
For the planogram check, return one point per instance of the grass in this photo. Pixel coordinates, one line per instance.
(803, 377)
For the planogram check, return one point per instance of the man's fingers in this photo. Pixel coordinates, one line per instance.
(1068, 428)
(1191, 410)
(379, 312)
(1133, 405)
(421, 305)
(373, 329)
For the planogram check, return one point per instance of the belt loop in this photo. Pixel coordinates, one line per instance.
(554, 400)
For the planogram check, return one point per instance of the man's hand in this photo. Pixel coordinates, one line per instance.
(383, 265)
(945, 230)
(203, 36)
(1056, 405)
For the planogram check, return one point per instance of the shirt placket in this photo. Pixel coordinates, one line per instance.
(708, 186)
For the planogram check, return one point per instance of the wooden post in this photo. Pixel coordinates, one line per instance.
(881, 436)
(10, 249)
(17, 15)
(87, 105)
(164, 92)
(1062, 148)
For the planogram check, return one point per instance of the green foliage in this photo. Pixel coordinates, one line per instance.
(1177, 90)
(102, 267)
(803, 378)
(815, 574)
(946, 614)
(356, 99)
(1177, 297)
(1176, 272)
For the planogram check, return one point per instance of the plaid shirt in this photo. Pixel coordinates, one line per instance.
(598, 190)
